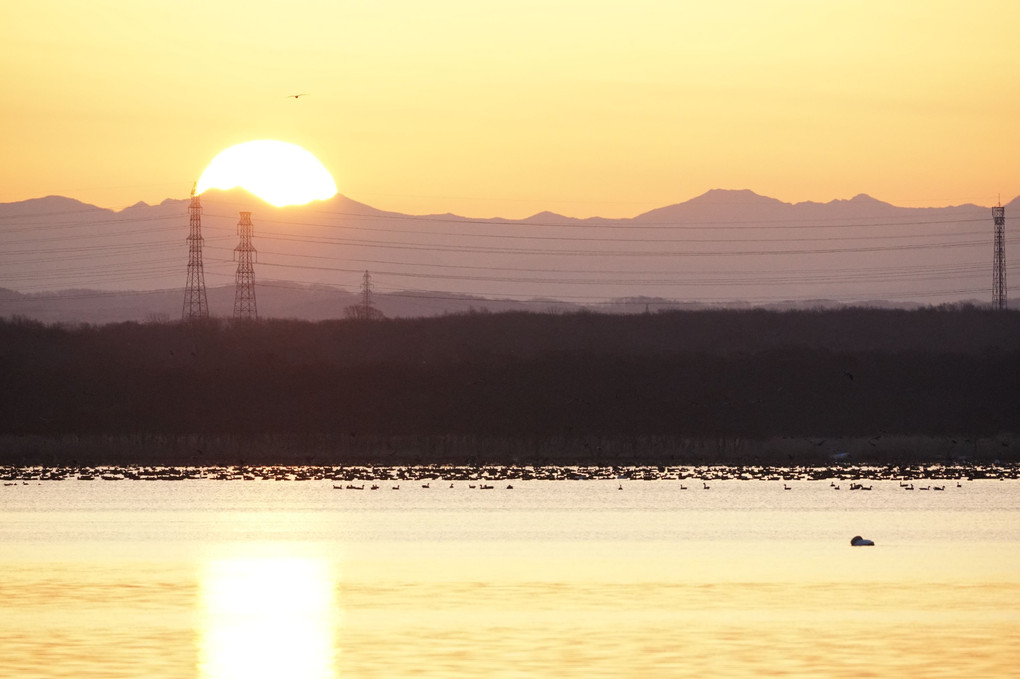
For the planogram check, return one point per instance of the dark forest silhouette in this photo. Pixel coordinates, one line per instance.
(672, 387)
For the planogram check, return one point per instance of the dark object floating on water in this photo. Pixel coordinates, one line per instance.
(858, 541)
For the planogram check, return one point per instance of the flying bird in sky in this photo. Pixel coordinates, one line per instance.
(295, 96)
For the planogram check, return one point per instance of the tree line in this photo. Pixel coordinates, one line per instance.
(517, 382)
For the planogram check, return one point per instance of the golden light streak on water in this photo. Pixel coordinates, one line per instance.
(267, 617)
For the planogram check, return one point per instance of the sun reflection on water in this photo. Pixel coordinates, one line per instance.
(268, 617)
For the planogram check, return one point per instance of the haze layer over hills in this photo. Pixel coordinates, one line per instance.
(727, 248)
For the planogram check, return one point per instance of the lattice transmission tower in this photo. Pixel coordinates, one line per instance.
(244, 279)
(999, 259)
(196, 305)
(365, 310)
(366, 291)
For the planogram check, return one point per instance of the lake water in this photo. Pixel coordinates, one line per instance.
(253, 579)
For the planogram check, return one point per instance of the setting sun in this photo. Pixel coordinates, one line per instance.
(277, 172)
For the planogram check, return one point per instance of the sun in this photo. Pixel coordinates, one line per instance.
(278, 172)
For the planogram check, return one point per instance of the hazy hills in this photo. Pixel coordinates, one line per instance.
(61, 259)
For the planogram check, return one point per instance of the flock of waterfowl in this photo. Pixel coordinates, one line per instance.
(376, 486)
(354, 477)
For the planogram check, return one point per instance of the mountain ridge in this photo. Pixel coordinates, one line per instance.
(724, 247)
(712, 197)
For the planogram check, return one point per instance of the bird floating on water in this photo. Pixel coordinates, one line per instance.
(858, 541)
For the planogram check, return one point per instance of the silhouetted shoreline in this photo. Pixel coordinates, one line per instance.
(243, 472)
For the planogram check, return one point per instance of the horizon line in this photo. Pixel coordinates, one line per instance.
(343, 196)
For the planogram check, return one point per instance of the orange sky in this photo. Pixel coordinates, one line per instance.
(511, 107)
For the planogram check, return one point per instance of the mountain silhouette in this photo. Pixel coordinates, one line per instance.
(724, 247)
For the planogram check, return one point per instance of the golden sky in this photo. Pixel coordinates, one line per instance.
(509, 107)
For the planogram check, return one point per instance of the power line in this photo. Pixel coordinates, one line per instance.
(632, 224)
(562, 299)
(778, 278)
(118, 234)
(560, 270)
(677, 240)
(83, 223)
(414, 246)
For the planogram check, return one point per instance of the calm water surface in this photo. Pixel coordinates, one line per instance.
(220, 579)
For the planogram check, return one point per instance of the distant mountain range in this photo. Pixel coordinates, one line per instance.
(63, 260)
